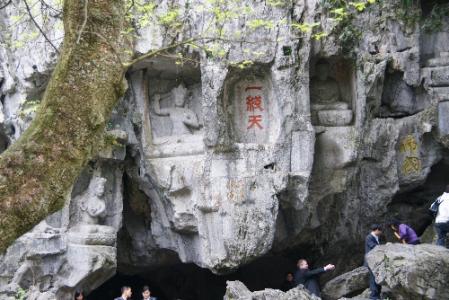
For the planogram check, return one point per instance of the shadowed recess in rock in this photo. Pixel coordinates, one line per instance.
(190, 282)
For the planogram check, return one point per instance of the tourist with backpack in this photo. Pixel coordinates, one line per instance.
(442, 217)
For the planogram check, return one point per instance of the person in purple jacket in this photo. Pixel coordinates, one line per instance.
(404, 233)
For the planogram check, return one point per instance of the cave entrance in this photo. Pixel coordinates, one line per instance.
(412, 206)
(190, 282)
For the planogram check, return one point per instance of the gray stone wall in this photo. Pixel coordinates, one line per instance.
(224, 165)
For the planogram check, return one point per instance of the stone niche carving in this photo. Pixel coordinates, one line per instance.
(252, 111)
(331, 93)
(175, 117)
(92, 209)
(400, 99)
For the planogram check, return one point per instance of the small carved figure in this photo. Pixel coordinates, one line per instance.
(327, 105)
(92, 204)
(182, 118)
(324, 89)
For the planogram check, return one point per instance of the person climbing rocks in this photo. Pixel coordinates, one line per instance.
(309, 278)
(289, 282)
(442, 218)
(126, 293)
(371, 241)
(404, 233)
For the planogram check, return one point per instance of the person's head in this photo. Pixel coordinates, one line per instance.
(79, 295)
(302, 264)
(376, 229)
(289, 276)
(179, 94)
(126, 291)
(447, 189)
(394, 224)
(146, 292)
(322, 69)
(97, 186)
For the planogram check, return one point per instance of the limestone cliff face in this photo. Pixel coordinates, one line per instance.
(218, 165)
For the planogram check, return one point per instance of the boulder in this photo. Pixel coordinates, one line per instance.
(347, 284)
(412, 272)
(236, 290)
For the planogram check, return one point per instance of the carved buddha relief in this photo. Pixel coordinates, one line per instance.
(328, 107)
(91, 206)
(175, 118)
(183, 119)
(324, 90)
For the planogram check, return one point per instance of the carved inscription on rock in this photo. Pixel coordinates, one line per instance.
(411, 163)
(254, 111)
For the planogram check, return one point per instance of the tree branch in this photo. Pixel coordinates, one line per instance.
(38, 27)
(86, 2)
(189, 41)
(6, 4)
(157, 52)
(130, 7)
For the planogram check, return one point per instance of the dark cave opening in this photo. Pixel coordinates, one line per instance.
(190, 282)
(173, 280)
(411, 207)
(4, 141)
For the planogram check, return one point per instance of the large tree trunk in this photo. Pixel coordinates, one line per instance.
(38, 171)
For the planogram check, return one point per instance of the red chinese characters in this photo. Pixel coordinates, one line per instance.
(253, 104)
(254, 121)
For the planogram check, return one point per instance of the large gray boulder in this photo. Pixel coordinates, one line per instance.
(412, 272)
(347, 284)
(236, 290)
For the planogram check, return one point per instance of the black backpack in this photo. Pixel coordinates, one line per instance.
(434, 207)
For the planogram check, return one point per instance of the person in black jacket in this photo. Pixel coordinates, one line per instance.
(289, 282)
(309, 278)
(126, 293)
(371, 241)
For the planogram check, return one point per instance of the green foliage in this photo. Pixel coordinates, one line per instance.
(28, 107)
(435, 21)
(171, 18)
(243, 64)
(318, 36)
(305, 27)
(145, 13)
(278, 3)
(259, 23)
(344, 13)
(407, 3)
(21, 294)
(407, 14)
(215, 50)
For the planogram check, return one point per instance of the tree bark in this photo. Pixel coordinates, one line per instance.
(38, 171)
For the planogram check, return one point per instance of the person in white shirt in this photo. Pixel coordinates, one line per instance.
(442, 218)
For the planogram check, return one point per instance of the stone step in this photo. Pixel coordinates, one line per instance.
(436, 62)
(442, 93)
(439, 76)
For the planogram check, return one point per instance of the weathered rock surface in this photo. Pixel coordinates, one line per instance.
(238, 291)
(412, 272)
(346, 285)
(194, 175)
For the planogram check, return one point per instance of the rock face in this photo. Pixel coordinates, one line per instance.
(218, 165)
(412, 272)
(238, 291)
(346, 285)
